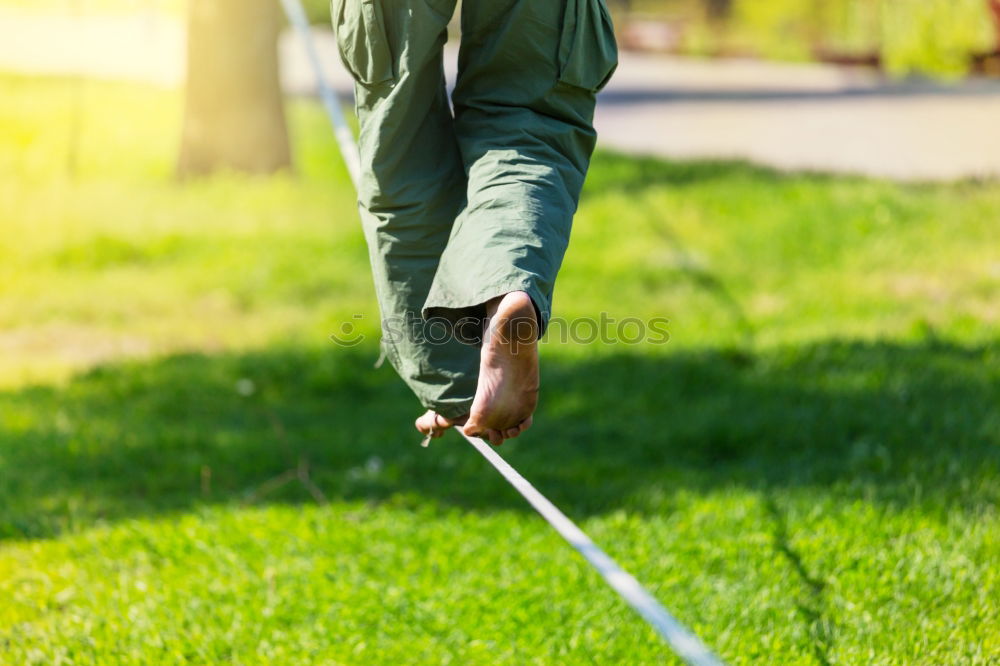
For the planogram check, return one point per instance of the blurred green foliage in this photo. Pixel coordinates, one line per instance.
(933, 37)
(318, 11)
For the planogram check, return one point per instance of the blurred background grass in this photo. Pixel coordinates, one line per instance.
(732, 253)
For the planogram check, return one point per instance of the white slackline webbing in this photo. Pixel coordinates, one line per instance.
(687, 646)
(345, 138)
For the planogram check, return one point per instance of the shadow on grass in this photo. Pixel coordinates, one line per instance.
(897, 424)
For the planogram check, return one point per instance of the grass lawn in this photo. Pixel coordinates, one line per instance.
(807, 472)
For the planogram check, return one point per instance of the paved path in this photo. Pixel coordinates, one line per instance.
(802, 116)
(788, 116)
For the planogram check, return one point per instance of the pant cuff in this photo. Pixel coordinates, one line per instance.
(451, 410)
(466, 315)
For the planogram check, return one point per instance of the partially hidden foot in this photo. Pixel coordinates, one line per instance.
(507, 392)
(433, 425)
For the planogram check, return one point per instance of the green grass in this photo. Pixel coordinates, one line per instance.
(808, 472)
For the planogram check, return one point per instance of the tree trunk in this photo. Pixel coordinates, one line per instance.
(234, 115)
(995, 10)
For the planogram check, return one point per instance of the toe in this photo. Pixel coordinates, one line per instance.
(525, 424)
(494, 437)
(424, 422)
(511, 433)
(434, 424)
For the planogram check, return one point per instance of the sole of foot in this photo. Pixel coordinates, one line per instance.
(507, 391)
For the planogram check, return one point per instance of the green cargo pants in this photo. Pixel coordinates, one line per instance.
(462, 205)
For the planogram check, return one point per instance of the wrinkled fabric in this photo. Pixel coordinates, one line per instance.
(462, 205)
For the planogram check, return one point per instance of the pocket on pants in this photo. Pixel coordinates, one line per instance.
(588, 53)
(362, 41)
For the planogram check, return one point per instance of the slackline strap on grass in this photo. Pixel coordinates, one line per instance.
(687, 646)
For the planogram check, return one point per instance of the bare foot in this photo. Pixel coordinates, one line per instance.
(507, 392)
(433, 425)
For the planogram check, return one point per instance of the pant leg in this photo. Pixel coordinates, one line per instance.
(413, 185)
(529, 71)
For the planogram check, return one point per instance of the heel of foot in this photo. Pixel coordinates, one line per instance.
(514, 324)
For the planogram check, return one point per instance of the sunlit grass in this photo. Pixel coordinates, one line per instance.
(807, 471)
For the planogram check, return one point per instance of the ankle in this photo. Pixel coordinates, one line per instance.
(513, 324)
(512, 299)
